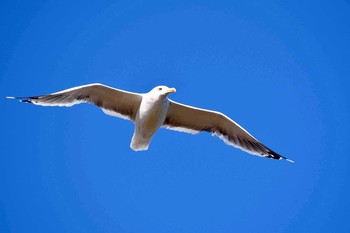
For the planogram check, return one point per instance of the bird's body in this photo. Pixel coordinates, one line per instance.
(149, 118)
(153, 110)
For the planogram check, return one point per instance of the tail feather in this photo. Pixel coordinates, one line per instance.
(139, 143)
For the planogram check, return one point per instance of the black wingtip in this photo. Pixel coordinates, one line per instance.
(26, 101)
(274, 155)
(22, 99)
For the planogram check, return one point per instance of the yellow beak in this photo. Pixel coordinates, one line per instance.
(171, 90)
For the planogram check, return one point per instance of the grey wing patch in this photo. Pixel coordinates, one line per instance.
(173, 124)
(113, 102)
(115, 114)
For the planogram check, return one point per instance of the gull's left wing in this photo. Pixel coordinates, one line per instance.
(193, 120)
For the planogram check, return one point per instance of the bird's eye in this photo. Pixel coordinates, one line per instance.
(160, 88)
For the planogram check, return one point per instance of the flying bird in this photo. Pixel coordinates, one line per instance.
(152, 110)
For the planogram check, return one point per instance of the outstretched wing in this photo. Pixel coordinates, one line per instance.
(112, 101)
(193, 120)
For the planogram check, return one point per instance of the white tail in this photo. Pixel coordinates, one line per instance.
(139, 143)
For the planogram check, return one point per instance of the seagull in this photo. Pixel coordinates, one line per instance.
(153, 110)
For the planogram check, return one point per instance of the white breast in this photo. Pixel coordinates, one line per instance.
(149, 118)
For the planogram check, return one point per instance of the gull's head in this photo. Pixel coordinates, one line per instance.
(162, 91)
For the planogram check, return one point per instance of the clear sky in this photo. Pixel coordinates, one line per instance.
(279, 68)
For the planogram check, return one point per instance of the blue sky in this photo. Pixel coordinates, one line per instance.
(280, 69)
